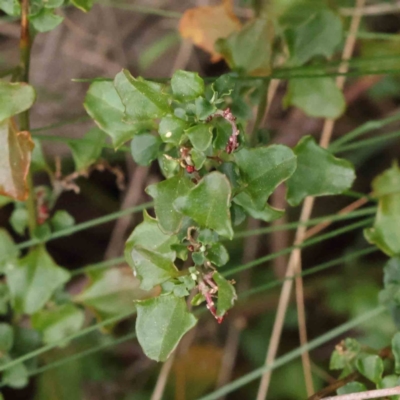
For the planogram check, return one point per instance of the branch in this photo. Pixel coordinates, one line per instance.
(370, 394)
(334, 386)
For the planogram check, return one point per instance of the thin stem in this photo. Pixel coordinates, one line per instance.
(370, 394)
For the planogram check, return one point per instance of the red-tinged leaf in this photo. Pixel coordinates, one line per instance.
(205, 25)
(15, 158)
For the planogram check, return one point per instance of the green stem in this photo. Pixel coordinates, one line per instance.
(25, 45)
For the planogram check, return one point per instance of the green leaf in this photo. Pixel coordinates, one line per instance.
(8, 249)
(161, 322)
(10, 7)
(319, 35)
(16, 377)
(223, 85)
(42, 232)
(267, 214)
(351, 387)
(204, 108)
(226, 294)
(396, 351)
(389, 381)
(171, 129)
(4, 298)
(104, 105)
(208, 204)
(6, 337)
(33, 279)
(148, 251)
(217, 254)
(57, 323)
(62, 220)
(15, 98)
(111, 292)
(84, 5)
(241, 49)
(143, 100)
(187, 85)
(38, 160)
(45, 20)
(86, 151)
(262, 170)
(145, 148)
(345, 355)
(198, 158)
(385, 233)
(200, 136)
(318, 173)
(164, 194)
(317, 97)
(19, 220)
(371, 367)
(207, 236)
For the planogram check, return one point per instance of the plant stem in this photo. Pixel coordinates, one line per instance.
(25, 45)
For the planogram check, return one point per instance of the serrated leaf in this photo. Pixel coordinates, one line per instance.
(104, 105)
(371, 367)
(15, 157)
(319, 35)
(55, 324)
(15, 98)
(161, 322)
(226, 294)
(6, 337)
(217, 254)
(208, 204)
(385, 233)
(62, 220)
(351, 387)
(164, 194)
(317, 97)
(171, 129)
(86, 151)
(205, 25)
(33, 279)
(187, 85)
(262, 169)
(143, 100)
(145, 148)
(200, 136)
(241, 49)
(318, 173)
(84, 5)
(45, 20)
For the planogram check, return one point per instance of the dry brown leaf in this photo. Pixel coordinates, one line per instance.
(15, 159)
(205, 25)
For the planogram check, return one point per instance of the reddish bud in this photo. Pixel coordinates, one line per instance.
(190, 169)
(190, 247)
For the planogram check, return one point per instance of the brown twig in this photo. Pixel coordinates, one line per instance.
(335, 386)
(370, 394)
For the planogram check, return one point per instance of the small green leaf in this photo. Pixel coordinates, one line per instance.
(204, 108)
(8, 249)
(6, 337)
(345, 355)
(38, 160)
(143, 100)
(33, 279)
(371, 367)
(15, 98)
(19, 220)
(45, 20)
(223, 85)
(145, 148)
(187, 85)
(42, 232)
(262, 170)
(86, 151)
(10, 7)
(226, 294)
(200, 136)
(208, 204)
(217, 254)
(351, 387)
(104, 105)
(319, 35)
(171, 129)
(207, 236)
(62, 220)
(318, 173)
(198, 158)
(198, 258)
(317, 97)
(389, 381)
(16, 376)
(396, 351)
(84, 5)
(267, 214)
(4, 298)
(164, 194)
(161, 323)
(241, 49)
(58, 323)
(385, 233)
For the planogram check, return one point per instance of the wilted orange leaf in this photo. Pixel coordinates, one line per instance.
(205, 25)
(15, 158)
